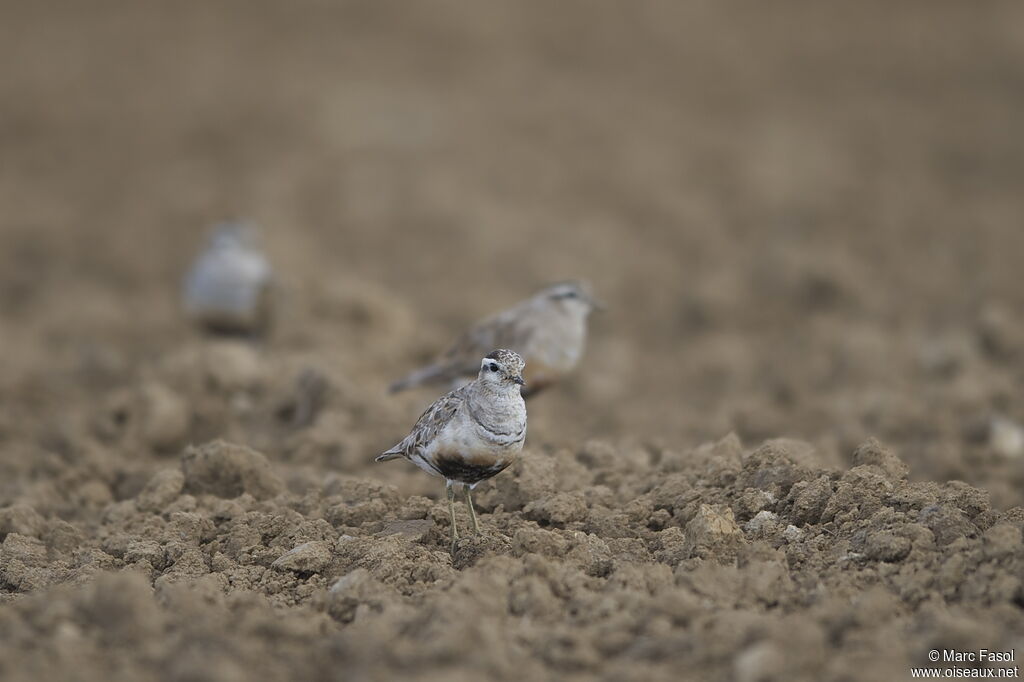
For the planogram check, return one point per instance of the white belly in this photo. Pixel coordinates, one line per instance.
(465, 449)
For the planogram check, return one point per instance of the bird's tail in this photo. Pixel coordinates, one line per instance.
(424, 375)
(388, 456)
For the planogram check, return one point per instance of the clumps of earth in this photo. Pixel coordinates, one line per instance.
(612, 560)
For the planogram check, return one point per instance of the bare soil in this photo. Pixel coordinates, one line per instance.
(793, 451)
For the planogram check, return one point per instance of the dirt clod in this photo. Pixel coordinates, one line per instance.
(228, 470)
(309, 557)
(792, 447)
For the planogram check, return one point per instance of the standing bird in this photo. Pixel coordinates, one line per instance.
(472, 433)
(228, 289)
(548, 330)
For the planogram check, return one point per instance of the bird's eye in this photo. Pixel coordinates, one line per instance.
(493, 367)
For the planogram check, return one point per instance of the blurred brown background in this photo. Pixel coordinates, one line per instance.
(805, 217)
(806, 221)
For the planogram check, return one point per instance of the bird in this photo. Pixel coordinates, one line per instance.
(472, 433)
(549, 330)
(228, 288)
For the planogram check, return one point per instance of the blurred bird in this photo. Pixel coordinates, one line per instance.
(548, 330)
(472, 433)
(228, 288)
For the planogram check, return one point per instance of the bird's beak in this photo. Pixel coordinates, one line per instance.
(519, 380)
(597, 305)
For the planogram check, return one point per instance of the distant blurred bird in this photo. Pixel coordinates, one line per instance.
(472, 433)
(548, 330)
(228, 289)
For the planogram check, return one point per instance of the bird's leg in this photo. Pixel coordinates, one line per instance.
(472, 512)
(450, 492)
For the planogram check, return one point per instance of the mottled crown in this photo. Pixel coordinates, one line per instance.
(510, 359)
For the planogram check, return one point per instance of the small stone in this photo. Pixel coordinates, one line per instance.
(713, 532)
(309, 557)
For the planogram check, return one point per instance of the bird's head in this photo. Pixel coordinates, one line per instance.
(234, 234)
(502, 368)
(573, 297)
